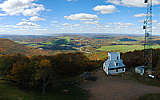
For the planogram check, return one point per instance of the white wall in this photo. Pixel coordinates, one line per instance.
(115, 72)
(105, 69)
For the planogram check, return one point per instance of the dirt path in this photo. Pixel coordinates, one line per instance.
(116, 88)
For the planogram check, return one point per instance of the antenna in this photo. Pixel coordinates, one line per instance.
(148, 36)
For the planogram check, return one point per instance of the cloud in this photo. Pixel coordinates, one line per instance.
(66, 24)
(123, 24)
(24, 7)
(140, 15)
(117, 2)
(34, 11)
(76, 25)
(154, 21)
(90, 22)
(70, 25)
(105, 9)
(81, 16)
(2, 14)
(131, 3)
(36, 18)
(26, 23)
(142, 21)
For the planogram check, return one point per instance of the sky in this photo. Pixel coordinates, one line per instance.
(46, 17)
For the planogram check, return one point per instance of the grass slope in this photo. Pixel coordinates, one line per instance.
(124, 48)
(10, 92)
(10, 47)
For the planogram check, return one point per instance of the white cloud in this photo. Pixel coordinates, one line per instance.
(105, 9)
(36, 18)
(2, 14)
(123, 24)
(17, 7)
(26, 20)
(153, 21)
(117, 2)
(25, 23)
(140, 15)
(34, 11)
(81, 16)
(70, 25)
(76, 25)
(132, 3)
(90, 22)
(66, 24)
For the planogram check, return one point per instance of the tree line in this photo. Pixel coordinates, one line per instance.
(41, 72)
(136, 58)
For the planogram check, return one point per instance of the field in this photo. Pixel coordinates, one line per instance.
(124, 48)
(90, 44)
(94, 46)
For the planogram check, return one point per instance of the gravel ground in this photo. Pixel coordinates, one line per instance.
(116, 88)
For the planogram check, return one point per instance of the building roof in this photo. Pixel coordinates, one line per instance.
(113, 53)
(112, 63)
(140, 67)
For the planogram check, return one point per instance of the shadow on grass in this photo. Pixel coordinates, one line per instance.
(11, 92)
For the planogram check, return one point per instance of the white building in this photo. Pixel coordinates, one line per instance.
(140, 70)
(114, 64)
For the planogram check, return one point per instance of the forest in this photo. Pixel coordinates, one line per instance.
(32, 72)
(43, 71)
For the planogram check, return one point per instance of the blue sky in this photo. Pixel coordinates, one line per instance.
(45, 17)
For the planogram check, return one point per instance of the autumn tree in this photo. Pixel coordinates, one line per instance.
(22, 74)
(44, 74)
(6, 62)
(70, 64)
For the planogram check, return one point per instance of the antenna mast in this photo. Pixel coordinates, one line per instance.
(148, 36)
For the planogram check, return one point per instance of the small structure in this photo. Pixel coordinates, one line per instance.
(144, 71)
(140, 70)
(114, 64)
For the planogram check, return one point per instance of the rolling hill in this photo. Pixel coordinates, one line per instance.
(10, 47)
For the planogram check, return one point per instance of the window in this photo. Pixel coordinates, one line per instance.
(117, 58)
(123, 69)
(116, 64)
(116, 70)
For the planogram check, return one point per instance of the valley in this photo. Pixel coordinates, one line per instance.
(85, 42)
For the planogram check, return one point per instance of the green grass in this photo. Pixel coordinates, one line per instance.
(47, 43)
(124, 48)
(150, 97)
(10, 92)
(67, 38)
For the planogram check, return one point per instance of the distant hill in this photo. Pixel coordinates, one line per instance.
(127, 39)
(156, 42)
(10, 47)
